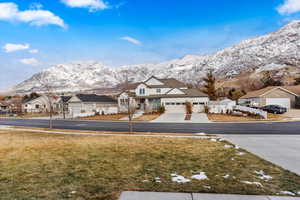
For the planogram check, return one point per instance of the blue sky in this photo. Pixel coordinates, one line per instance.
(36, 34)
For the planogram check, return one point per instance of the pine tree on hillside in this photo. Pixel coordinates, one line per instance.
(297, 81)
(235, 94)
(268, 80)
(210, 86)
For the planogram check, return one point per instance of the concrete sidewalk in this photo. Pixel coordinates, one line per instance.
(196, 196)
(282, 150)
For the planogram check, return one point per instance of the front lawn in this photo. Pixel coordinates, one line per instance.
(44, 166)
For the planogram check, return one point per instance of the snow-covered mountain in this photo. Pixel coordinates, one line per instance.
(272, 51)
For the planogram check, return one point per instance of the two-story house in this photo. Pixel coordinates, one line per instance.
(153, 93)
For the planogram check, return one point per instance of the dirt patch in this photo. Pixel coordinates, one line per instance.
(147, 117)
(104, 117)
(228, 118)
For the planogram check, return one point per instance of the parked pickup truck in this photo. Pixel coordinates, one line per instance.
(276, 109)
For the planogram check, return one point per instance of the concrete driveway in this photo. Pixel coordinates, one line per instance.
(179, 118)
(170, 118)
(282, 150)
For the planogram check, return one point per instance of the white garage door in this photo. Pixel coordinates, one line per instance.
(284, 102)
(175, 108)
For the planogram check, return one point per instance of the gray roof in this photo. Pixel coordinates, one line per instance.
(168, 83)
(95, 98)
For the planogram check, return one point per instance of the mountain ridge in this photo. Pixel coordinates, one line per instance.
(275, 50)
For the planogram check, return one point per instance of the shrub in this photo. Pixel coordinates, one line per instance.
(206, 109)
(161, 109)
(188, 107)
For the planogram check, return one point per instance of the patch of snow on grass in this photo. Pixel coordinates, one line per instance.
(179, 179)
(252, 183)
(200, 176)
(157, 180)
(200, 134)
(226, 176)
(287, 193)
(241, 153)
(213, 140)
(263, 176)
(207, 187)
(227, 146)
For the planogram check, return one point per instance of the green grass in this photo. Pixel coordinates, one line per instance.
(42, 166)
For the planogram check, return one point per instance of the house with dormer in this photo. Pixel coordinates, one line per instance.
(154, 92)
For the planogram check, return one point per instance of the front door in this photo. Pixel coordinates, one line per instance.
(142, 104)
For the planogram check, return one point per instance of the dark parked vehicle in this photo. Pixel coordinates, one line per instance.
(274, 109)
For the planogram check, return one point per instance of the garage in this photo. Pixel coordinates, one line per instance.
(90, 104)
(175, 107)
(284, 102)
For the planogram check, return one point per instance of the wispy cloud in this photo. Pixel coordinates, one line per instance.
(289, 7)
(34, 51)
(35, 17)
(30, 61)
(131, 40)
(15, 47)
(92, 5)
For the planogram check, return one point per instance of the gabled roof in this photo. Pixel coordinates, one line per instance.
(95, 98)
(172, 82)
(167, 83)
(261, 92)
(194, 92)
(65, 99)
(295, 89)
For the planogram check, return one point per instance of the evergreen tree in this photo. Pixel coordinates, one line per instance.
(268, 80)
(209, 86)
(235, 94)
(297, 81)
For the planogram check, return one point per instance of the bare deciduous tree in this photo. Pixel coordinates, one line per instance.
(46, 85)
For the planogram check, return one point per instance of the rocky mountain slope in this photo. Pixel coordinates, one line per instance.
(269, 52)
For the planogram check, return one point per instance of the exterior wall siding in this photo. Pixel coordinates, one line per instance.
(278, 93)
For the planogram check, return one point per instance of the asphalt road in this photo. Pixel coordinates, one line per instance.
(282, 128)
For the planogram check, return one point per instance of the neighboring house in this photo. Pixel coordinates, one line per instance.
(91, 104)
(63, 104)
(11, 105)
(3, 107)
(153, 93)
(286, 96)
(41, 104)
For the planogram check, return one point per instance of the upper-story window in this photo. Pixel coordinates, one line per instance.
(158, 90)
(142, 91)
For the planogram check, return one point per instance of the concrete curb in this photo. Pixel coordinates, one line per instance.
(196, 196)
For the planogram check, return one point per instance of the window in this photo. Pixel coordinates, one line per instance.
(142, 90)
(201, 103)
(167, 103)
(158, 90)
(195, 103)
(178, 103)
(37, 106)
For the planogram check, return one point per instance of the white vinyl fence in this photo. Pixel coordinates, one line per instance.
(254, 111)
(221, 107)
